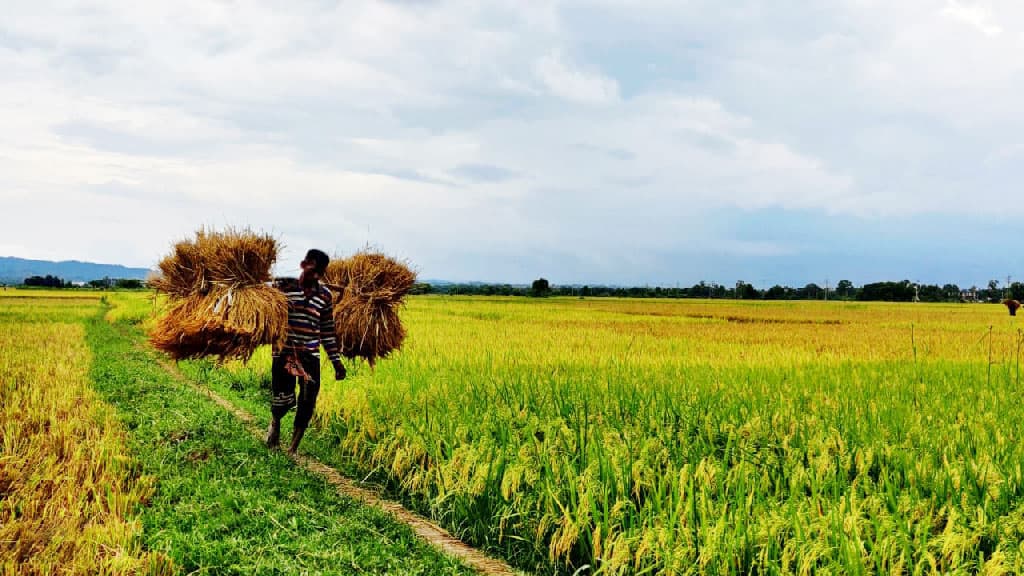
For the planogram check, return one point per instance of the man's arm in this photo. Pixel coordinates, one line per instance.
(329, 339)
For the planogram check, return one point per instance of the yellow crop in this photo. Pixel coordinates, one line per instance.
(67, 490)
(700, 437)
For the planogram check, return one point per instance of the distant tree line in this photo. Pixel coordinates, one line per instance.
(47, 281)
(901, 291)
(122, 283)
(50, 281)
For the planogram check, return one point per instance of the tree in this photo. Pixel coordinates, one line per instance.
(930, 293)
(844, 288)
(104, 282)
(746, 291)
(540, 287)
(888, 291)
(811, 291)
(993, 294)
(421, 288)
(48, 281)
(1017, 291)
(951, 292)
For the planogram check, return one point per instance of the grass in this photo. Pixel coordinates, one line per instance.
(685, 437)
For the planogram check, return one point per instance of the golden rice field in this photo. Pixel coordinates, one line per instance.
(593, 436)
(67, 489)
(700, 437)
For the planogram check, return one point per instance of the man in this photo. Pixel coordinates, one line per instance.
(1012, 306)
(310, 324)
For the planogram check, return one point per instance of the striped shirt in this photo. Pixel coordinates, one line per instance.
(310, 321)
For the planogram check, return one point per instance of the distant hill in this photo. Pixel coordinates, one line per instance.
(15, 270)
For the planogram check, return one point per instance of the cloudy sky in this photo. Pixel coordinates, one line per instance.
(640, 142)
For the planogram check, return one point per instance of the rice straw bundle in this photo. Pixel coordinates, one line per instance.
(219, 304)
(238, 259)
(230, 258)
(370, 288)
(182, 273)
(180, 343)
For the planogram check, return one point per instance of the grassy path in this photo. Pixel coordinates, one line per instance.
(223, 503)
(425, 529)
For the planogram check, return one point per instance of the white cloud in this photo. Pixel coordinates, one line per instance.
(975, 15)
(430, 127)
(574, 84)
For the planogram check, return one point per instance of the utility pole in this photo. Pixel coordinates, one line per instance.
(826, 289)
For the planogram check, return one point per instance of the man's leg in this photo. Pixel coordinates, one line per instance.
(308, 392)
(282, 398)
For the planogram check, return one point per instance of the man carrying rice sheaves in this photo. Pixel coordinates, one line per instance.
(310, 324)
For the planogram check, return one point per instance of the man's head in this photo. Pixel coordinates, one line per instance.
(316, 261)
(313, 266)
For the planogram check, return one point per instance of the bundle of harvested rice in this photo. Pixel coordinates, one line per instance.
(219, 304)
(369, 288)
(231, 258)
(182, 273)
